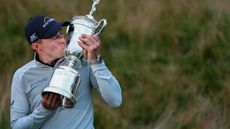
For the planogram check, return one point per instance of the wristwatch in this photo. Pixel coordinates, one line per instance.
(97, 61)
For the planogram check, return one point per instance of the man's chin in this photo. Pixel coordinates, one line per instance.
(60, 56)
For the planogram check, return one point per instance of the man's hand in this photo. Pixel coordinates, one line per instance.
(50, 101)
(91, 45)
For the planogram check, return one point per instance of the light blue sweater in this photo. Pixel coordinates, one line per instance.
(29, 82)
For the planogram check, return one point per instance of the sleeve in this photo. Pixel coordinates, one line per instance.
(20, 114)
(106, 84)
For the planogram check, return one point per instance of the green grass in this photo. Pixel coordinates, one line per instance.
(172, 58)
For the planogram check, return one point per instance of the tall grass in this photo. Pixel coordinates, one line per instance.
(171, 57)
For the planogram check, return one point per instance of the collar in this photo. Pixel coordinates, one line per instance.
(37, 59)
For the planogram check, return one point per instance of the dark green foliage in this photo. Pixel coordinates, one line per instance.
(171, 57)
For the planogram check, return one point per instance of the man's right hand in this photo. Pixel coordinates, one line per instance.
(50, 101)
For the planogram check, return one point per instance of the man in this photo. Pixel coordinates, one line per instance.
(29, 110)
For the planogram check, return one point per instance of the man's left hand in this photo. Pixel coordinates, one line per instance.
(91, 45)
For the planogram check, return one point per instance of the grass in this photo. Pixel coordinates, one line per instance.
(171, 57)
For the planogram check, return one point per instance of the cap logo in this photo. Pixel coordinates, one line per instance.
(47, 20)
(33, 37)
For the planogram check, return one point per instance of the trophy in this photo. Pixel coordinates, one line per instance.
(65, 80)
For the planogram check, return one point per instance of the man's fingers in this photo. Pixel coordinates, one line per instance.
(55, 100)
(96, 38)
(91, 45)
(46, 96)
(50, 99)
(84, 46)
(89, 39)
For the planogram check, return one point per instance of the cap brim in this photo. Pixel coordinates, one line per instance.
(54, 30)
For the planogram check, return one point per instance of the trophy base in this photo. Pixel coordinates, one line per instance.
(68, 100)
(65, 82)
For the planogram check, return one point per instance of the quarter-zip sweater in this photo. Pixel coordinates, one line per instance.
(30, 80)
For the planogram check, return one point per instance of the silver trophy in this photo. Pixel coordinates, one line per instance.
(66, 79)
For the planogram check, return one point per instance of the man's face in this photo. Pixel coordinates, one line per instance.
(52, 48)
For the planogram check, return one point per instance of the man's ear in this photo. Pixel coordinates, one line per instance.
(35, 46)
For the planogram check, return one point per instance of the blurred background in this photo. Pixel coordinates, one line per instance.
(171, 57)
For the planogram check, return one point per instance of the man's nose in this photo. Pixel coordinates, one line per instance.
(62, 40)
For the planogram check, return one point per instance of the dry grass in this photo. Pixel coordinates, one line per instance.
(171, 57)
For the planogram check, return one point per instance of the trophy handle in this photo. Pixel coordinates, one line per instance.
(102, 23)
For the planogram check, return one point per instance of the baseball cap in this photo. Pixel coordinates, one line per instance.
(42, 27)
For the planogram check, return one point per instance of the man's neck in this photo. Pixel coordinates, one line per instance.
(49, 63)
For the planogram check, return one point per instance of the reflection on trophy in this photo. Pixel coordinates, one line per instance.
(66, 79)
